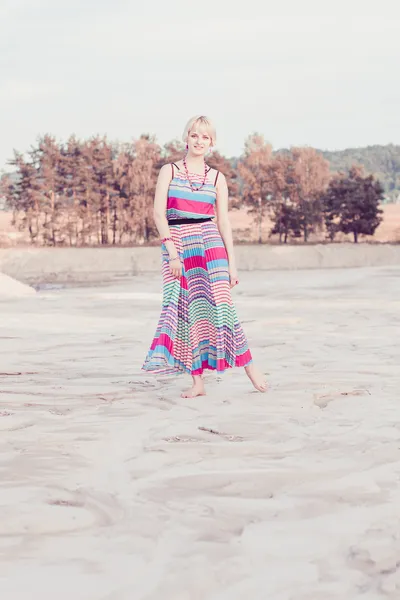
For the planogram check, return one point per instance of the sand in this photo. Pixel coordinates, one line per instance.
(10, 287)
(112, 487)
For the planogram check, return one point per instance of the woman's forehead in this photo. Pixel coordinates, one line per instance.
(199, 128)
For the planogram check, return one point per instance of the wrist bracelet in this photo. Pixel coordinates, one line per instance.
(167, 239)
(173, 258)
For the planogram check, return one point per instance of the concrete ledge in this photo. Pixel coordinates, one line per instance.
(80, 265)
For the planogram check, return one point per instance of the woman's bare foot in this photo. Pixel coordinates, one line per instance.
(256, 377)
(197, 388)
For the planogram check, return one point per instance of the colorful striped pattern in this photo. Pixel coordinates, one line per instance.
(198, 328)
(183, 203)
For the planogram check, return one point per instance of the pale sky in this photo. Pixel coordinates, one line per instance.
(301, 72)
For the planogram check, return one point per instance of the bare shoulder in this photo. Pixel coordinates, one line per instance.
(179, 163)
(220, 180)
(165, 173)
(214, 172)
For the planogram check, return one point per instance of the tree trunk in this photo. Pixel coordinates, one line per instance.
(144, 225)
(37, 221)
(98, 228)
(114, 224)
(75, 217)
(52, 218)
(106, 220)
(103, 228)
(89, 225)
(146, 232)
(355, 233)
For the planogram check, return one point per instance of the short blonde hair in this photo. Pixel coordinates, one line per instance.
(204, 123)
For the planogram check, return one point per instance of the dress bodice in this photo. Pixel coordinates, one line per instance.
(183, 203)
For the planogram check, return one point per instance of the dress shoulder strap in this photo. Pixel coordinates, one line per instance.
(172, 167)
(216, 179)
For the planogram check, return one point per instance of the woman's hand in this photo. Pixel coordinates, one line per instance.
(233, 276)
(175, 268)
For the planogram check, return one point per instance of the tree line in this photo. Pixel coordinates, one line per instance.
(381, 161)
(94, 192)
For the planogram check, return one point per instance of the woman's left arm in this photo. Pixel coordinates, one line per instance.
(224, 226)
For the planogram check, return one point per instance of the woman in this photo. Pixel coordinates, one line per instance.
(198, 328)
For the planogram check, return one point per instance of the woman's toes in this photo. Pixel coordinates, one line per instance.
(193, 392)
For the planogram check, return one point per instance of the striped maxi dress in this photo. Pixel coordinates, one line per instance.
(198, 327)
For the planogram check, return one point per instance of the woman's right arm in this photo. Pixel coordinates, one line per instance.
(160, 218)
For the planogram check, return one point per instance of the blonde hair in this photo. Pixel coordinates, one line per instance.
(204, 123)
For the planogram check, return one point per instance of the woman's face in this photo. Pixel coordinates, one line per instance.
(198, 141)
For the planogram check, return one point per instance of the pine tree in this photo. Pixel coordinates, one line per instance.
(143, 182)
(26, 197)
(102, 167)
(72, 172)
(46, 156)
(124, 217)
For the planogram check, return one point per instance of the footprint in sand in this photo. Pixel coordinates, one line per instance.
(322, 401)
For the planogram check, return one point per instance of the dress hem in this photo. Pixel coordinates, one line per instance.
(184, 371)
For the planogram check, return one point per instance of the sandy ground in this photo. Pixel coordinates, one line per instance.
(242, 225)
(245, 230)
(112, 487)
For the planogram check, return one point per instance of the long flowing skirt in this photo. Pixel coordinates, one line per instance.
(198, 328)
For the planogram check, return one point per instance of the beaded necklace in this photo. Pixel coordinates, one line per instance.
(195, 189)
